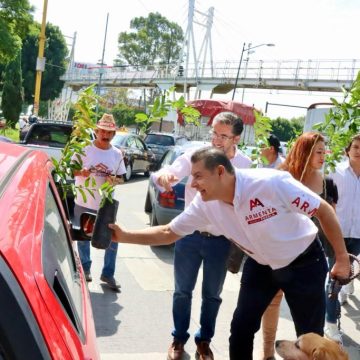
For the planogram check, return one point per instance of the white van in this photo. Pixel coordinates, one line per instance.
(316, 114)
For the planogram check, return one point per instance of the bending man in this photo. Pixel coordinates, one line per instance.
(267, 212)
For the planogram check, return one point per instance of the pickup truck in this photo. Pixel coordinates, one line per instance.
(49, 137)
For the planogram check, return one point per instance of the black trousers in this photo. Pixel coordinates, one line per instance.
(303, 284)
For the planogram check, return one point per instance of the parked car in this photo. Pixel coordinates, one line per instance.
(45, 305)
(159, 142)
(162, 207)
(138, 157)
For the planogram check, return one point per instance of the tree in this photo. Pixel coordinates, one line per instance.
(55, 53)
(12, 96)
(341, 123)
(285, 129)
(15, 17)
(125, 115)
(155, 40)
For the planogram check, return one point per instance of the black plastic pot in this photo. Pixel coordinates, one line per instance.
(106, 215)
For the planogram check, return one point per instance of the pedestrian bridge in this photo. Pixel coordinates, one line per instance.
(221, 78)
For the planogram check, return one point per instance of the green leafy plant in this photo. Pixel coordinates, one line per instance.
(84, 123)
(262, 130)
(161, 107)
(341, 123)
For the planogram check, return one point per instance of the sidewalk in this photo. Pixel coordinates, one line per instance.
(144, 322)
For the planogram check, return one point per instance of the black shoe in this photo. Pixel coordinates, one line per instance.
(88, 276)
(112, 283)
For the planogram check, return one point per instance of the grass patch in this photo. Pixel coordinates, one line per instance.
(12, 134)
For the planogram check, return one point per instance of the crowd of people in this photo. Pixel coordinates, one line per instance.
(288, 218)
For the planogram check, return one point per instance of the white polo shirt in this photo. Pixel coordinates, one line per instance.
(269, 219)
(347, 207)
(181, 168)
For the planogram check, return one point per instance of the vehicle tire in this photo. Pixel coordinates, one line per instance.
(152, 217)
(127, 175)
(148, 206)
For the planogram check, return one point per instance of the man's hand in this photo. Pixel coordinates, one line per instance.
(85, 172)
(114, 180)
(166, 181)
(117, 232)
(341, 268)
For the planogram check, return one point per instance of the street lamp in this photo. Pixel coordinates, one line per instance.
(241, 57)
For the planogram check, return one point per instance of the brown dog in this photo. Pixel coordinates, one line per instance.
(310, 347)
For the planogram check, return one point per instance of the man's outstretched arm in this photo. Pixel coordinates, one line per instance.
(332, 230)
(156, 235)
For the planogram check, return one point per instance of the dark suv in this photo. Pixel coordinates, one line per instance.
(159, 142)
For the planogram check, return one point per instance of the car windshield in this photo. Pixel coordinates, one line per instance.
(50, 135)
(159, 139)
(119, 140)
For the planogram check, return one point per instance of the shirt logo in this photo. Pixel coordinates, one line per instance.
(100, 170)
(260, 215)
(255, 203)
(304, 206)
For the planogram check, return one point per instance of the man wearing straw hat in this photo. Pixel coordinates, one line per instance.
(101, 162)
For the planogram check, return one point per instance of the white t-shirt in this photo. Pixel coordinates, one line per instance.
(181, 168)
(101, 163)
(269, 219)
(347, 207)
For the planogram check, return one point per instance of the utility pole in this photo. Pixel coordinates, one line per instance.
(40, 61)
(101, 69)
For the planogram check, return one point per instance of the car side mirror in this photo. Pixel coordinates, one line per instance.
(85, 231)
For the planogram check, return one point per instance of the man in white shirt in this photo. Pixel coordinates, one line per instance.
(205, 246)
(347, 180)
(101, 162)
(266, 212)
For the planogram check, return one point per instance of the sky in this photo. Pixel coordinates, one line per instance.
(307, 29)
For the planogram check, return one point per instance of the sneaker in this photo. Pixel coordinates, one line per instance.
(88, 276)
(176, 350)
(342, 296)
(332, 332)
(349, 288)
(112, 283)
(203, 351)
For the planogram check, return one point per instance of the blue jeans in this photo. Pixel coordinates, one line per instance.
(304, 293)
(333, 308)
(84, 249)
(190, 252)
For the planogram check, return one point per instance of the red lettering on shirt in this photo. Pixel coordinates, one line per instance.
(255, 203)
(296, 202)
(312, 212)
(304, 206)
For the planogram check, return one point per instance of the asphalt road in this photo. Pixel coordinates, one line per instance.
(136, 323)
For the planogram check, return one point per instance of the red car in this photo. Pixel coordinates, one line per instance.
(45, 309)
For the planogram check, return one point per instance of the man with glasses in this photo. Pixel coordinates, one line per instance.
(205, 246)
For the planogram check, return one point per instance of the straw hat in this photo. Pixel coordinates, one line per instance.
(107, 123)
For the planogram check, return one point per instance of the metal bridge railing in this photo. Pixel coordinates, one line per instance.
(334, 70)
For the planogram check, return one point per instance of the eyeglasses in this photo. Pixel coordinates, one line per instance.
(214, 135)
